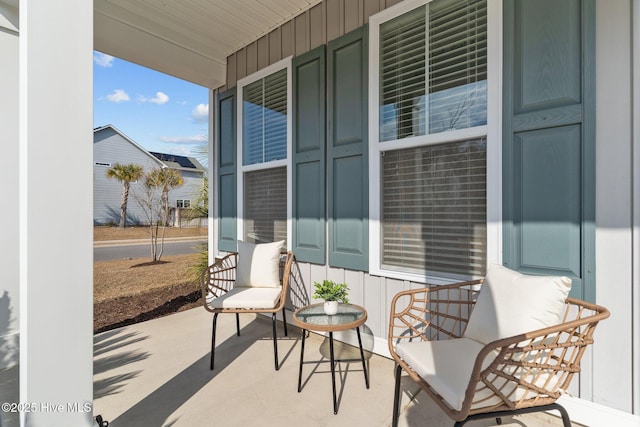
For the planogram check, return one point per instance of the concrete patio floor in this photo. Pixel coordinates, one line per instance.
(156, 373)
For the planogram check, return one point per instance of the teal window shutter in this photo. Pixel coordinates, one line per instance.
(549, 140)
(226, 165)
(309, 151)
(347, 152)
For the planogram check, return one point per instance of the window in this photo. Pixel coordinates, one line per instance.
(265, 205)
(440, 90)
(428, 153)
(183, 203)
(264, 131)
(264, 119)
(434, 208)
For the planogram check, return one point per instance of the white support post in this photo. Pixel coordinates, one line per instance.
(635, 40)
(213, 176)
(56, 202)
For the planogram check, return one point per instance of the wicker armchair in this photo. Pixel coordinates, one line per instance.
(222, 294)
(469, 379)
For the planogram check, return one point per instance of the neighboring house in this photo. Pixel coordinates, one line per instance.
(111, 146)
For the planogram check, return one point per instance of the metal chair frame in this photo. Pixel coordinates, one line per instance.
(220, 277)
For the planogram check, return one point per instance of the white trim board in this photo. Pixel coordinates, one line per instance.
(595, 415)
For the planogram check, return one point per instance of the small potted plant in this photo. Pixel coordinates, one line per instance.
(332, 293)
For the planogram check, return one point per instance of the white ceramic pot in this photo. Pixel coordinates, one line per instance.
(330, 307)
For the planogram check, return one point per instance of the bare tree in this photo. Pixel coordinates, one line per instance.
(154, 202)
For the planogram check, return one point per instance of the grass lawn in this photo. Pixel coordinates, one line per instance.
(127, 291)
(115, 233)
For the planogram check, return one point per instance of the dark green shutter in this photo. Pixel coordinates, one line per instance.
(549, 140)
(226, 165)
(309, 123)
(347, 151)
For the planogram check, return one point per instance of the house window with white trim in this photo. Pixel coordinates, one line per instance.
(264, 136)
(429, 147)
(185, 203)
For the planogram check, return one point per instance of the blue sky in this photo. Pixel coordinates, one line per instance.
(158, 111)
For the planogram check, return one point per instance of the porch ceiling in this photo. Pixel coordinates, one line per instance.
(187, 39)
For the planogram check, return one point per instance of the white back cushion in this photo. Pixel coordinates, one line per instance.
(511, 303)
(258, 264)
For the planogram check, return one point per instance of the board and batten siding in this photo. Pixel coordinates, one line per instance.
(324, 22)
(110, 148)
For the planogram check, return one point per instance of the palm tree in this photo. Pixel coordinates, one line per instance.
(166, 180)
(125, 174)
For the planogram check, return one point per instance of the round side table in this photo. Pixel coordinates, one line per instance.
(313, 318)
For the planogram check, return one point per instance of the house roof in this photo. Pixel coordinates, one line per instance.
(131, 141)
(172, 161)
(190, 40)
(175, 161)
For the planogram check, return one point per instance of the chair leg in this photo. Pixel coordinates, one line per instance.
(275, 341)
(238, 324)
(284, 319)
(396, 397)
(566, 422)
(213, 340)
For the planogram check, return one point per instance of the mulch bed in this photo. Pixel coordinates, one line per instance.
(124, 311)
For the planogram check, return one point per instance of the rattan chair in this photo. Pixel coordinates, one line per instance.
(222, 294)
(468, 379)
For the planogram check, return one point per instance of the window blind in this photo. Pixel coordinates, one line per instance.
(264, 119)
(265, 205)
(443, 90)
(434, 209)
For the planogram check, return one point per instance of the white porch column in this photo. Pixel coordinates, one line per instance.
(9, 284)
(56, 199)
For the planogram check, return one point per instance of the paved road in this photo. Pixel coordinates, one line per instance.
(141, 250)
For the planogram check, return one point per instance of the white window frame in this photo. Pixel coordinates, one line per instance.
(491, 131)
(241, 168)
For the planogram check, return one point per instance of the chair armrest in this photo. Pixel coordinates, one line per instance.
(432, 313)
(219, 278)
(535, 366)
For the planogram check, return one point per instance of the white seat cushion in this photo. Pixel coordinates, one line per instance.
(247, 298)
(258, 264)
(511, 303)
(446, 365)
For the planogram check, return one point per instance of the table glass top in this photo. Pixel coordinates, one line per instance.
(315, 315)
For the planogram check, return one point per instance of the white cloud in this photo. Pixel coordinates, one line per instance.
(179, 150)
(160, 98)
(191, 139)
(118, 95)
(200, 113)
(141, 99)
(102, 59)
